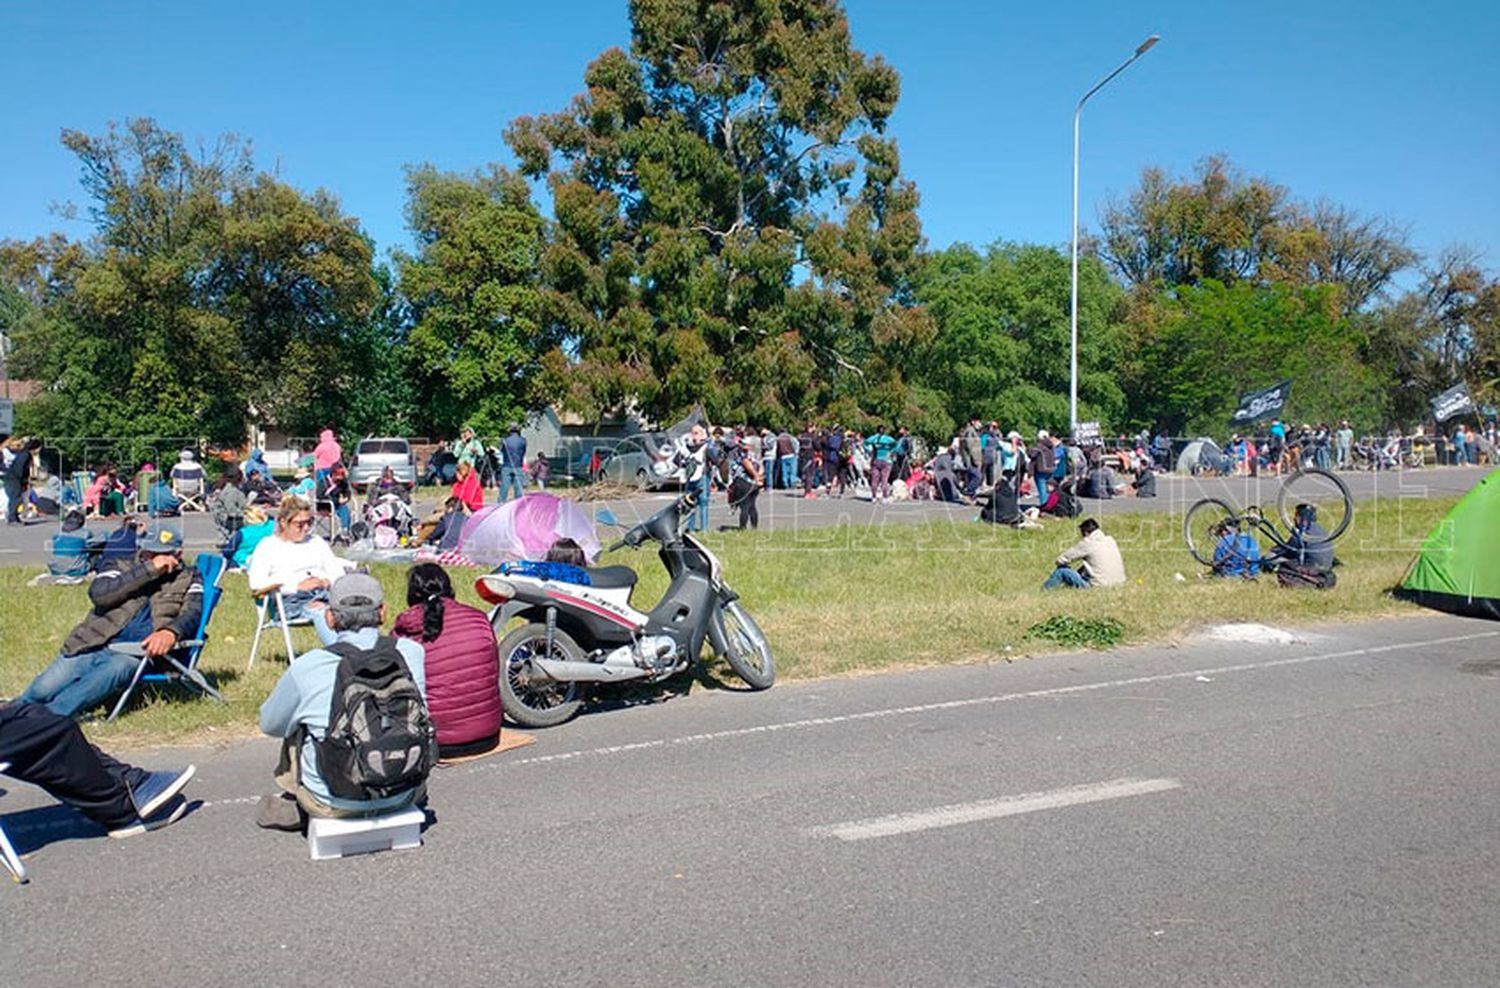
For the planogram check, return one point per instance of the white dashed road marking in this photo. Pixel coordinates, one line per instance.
(992, 809)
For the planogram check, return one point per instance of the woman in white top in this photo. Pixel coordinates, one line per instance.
(299, 563)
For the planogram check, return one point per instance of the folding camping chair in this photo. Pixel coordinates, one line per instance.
(143, 482)
(183, 658)
(8, 855)
(190, 494)
(270, 611)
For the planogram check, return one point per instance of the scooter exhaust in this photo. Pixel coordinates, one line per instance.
(588, 672)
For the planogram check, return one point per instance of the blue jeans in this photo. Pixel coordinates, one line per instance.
(297, 605)
(509, 476)
(699, 520)
(770, 472)
(789, 471)
(1065, 576)
(74, 683)
(1041, 489)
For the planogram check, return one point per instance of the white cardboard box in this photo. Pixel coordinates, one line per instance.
(331, 838)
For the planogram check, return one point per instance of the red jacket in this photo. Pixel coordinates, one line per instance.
(463, 672)
(469, 492)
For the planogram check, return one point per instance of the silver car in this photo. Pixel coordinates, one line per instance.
(632, 463)
(373, 455)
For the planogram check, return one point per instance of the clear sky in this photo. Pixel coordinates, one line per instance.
(1392, 108)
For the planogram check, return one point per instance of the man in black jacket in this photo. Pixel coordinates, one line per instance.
(153, 602)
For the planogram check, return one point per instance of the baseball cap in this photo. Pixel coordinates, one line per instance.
(161, 537)
(355, 590)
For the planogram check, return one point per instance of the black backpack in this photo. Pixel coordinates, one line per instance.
(380, 739)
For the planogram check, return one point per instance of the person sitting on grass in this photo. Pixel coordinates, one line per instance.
(49, 751)
(227, 504)
(337, 493)
(467, 489)
(298, 563)
(104, 496)
(72, 549)
(1236, 553)
(1061, 501)
(300, 705)
(443, 532)
(153, 602)
(160, 501)
(1099, 557)
(1144, 483)
(1308, 545)
(241, 546)
(460, 660)
(1002, 505)
(386, 484)
(302, 484)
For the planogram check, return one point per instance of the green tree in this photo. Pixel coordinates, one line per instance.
(208, 294)
(1445, 330)
(1224, 227)
(731, 222)
(481, 321)
(1002, 343)
(1214, 341)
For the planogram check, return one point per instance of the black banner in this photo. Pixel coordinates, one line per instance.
(1454, 401)
(1087, 434)
(1266, 403)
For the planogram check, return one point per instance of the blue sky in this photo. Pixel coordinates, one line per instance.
(1391, 108)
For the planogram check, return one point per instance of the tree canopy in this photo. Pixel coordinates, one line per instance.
(209, 295)
(732, 226)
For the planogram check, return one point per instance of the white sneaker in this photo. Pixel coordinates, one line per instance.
(168, 815)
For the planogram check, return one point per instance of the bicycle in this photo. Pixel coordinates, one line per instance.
(1210, 518)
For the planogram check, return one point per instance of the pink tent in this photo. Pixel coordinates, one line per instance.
(525, 529)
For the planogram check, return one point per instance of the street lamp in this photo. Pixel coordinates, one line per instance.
(1140, 50)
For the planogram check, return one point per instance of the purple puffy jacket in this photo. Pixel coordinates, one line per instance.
(463, 672)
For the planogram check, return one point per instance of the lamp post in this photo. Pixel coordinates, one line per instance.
(1140, 50)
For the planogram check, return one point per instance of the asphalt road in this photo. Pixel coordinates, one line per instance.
(1315, 813)
(781, 510)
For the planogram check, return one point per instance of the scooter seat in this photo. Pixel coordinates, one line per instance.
(612, 577)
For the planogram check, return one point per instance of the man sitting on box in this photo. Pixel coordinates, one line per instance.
(335, 761)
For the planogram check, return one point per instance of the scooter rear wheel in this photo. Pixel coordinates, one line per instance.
(529, 697)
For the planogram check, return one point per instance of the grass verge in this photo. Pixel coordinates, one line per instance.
(833, 600)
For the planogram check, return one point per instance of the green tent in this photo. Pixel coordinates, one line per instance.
(1458, 567)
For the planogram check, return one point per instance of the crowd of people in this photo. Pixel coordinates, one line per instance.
(982, 466)
(1285, 447)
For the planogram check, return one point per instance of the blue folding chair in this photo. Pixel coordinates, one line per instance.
(183, 659)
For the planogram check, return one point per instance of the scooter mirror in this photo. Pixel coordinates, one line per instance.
(604, 516)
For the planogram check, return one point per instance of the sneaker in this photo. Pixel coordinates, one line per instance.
(157, 789)
(170, 814)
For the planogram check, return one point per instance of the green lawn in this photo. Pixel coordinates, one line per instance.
(832, 601)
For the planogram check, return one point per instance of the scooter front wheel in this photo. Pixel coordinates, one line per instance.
(745, 646)
(530, 697)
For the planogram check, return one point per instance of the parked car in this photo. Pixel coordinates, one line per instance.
(374, 454)
(630, 463)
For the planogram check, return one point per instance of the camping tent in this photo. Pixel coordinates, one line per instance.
(1458, 567)
(1200, 454)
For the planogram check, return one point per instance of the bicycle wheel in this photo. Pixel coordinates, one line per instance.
(1200, 527)
(1326, 492)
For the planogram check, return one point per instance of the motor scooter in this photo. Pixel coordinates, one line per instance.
(577, 633)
